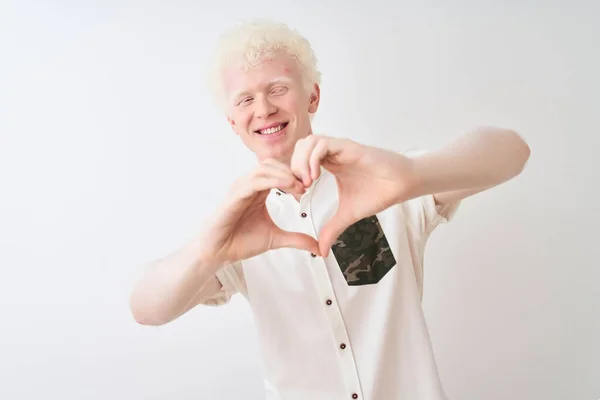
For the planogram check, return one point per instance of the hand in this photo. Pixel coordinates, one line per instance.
(369, 179)
(243, 227)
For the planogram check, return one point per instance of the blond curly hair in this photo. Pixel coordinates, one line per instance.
(253, 41)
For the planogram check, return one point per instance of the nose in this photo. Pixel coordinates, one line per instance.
(264, 107)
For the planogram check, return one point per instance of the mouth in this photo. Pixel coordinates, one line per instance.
(272, 130)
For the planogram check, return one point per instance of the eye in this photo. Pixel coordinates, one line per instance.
(245, 101)
(279, 90)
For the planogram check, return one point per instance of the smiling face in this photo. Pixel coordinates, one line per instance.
(269, 107)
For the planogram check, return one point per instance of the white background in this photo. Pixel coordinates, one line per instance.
(112, 154)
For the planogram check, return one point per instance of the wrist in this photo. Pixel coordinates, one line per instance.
(209, 259)
(203, 260)
(206, 266)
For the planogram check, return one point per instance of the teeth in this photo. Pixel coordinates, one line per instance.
(272, 130)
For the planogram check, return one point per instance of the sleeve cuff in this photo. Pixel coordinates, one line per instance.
(231, 283)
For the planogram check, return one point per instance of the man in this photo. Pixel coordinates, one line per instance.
(325, 237)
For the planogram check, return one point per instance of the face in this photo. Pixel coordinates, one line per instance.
(269, 108)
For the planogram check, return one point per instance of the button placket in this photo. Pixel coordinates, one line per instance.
(336, 322)
(324, 286)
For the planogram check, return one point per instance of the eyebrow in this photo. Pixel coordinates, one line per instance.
(271, 82)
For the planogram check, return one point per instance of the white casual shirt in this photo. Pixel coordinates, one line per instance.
(349, 326)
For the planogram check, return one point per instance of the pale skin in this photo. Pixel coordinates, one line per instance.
(478, 160)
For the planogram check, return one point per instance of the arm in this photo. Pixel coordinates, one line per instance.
(240, 229)
(481, 159)
(476, 161)
(172, 286)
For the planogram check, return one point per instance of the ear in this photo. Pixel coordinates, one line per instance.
(315, 98)
(232, 124)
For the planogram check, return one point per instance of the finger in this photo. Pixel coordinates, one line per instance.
(287, 183)
(300, 159)
(316, 156)
(286, 180)
(274, 164)
(296, 240)
(265, 178)
(275, 167)
(332, 230)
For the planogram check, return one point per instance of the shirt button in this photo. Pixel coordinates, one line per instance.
(278, 193)
(355, 396)
(328, 302)
(313, 255)
(342, 346)
(303, 215)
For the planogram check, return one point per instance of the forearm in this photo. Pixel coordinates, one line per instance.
(482, 158)
(168, 286)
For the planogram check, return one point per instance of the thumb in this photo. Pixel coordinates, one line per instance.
(332, 230)
(296, 240)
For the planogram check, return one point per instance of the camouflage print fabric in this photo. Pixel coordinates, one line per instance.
(363, 252)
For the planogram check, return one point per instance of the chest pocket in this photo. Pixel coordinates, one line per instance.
(363, 252)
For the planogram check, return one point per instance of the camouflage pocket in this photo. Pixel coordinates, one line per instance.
(363, 252)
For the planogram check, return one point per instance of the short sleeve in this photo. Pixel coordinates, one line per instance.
(232, 280)
(424, 213)
(435, 214)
